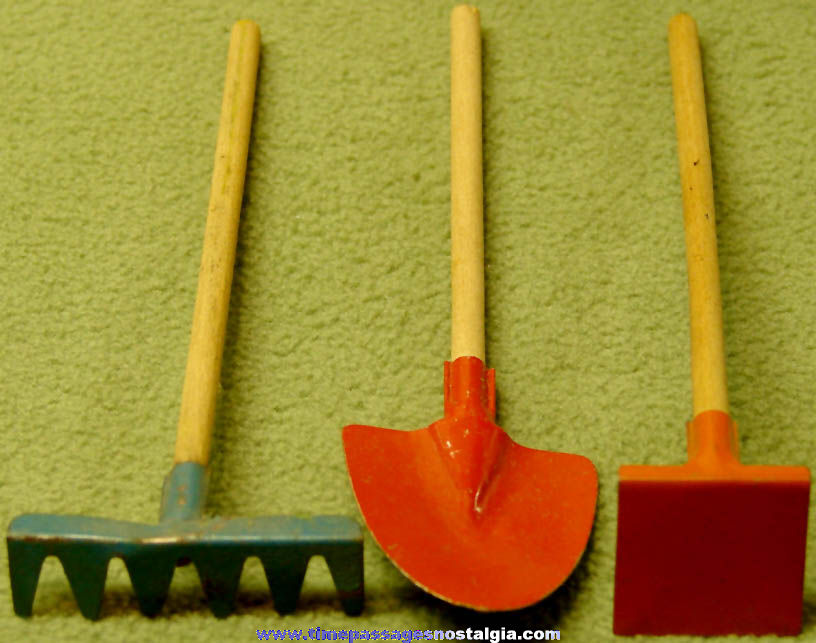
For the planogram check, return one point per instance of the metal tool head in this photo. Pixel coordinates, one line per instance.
(466, 513)
(712, 546)
(217, 547)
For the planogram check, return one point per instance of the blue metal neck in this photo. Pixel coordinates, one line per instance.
(184, 492)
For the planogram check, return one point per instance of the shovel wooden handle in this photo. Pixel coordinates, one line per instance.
(705, 302)
(203, 373)
(467, 214)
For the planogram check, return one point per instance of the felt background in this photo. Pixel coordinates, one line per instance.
(340, 301)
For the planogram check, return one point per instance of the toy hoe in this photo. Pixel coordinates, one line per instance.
(711, 546)
(217, 547)
(462, 510)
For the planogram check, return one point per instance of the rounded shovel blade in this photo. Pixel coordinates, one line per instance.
(505, 547)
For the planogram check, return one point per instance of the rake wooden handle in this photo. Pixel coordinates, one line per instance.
(705, 301)
(203, 372)
(467, 214)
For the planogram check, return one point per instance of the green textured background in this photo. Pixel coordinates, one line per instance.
(340, 301)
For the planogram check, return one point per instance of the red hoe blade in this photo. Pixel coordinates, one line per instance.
(462, 510)
(712, 546)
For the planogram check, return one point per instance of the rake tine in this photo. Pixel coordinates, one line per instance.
(86, 571)
(220, 576)
(346, 567)
(25, 564)
(284, 573)
(151, 578)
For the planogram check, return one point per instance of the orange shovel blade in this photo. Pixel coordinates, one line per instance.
(712, 546)
(466, 513)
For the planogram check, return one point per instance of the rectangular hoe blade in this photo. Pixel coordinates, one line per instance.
(710, 557)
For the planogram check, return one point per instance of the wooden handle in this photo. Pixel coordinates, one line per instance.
(705, 302)
(467, 217)
(203, 372)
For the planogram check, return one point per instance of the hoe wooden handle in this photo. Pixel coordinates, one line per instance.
(705, 302)
(203, 372)
(467, 217)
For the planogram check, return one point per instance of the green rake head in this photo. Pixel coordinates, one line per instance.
(217, 547)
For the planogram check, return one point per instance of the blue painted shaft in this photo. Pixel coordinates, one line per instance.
(184, 492)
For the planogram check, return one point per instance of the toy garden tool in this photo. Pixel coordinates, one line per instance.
(217, 547)
(712, 546)
(462, 510)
